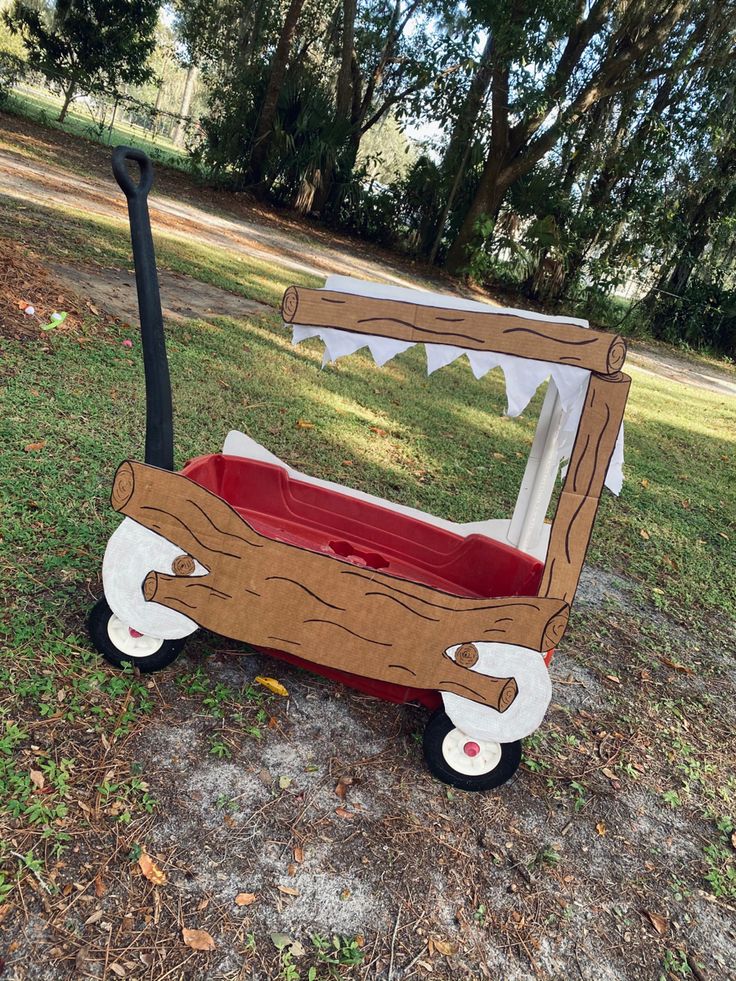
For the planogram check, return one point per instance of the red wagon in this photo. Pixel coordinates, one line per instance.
(387, 599)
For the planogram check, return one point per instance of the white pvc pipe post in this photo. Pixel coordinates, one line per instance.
(539, 476)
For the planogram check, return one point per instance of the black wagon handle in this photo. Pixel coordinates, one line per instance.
(120, 156)
(159, 423)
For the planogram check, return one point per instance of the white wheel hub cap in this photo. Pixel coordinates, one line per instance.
(471, 757)
(129, 641)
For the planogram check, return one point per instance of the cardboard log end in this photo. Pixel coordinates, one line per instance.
(123, 485)
(150, 586)
(290, 304)
(508, 695)
(616, 355)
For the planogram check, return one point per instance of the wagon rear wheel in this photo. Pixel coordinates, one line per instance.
(465, 763)
(119, 644)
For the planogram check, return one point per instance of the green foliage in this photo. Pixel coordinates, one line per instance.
(12, 69)
(702, 316)
(90, 45)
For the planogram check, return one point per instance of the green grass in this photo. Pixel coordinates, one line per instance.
(68, 235)
(43, 107)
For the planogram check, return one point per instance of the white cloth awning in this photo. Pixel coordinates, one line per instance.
(523, 376)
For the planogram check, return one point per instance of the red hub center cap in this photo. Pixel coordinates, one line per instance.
(471, 749)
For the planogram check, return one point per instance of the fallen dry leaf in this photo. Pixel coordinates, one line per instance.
(37, 779)
(245, 898)
(118, 969)
(298, 854)
(444, 947)
(378, 431)
(151, 871)
(343, 812)
(645, 534)
(644, 483)
(601, 829)
(34, 447)
(659, 922)
(342, 784)
(288, 890)
(614, 678)
(304, 424)
(197, 939)
(273, 686)
(100, 887)
(682, 668)
(97, 915)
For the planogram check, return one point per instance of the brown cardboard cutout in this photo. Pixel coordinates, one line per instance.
(600, 422)
(331, 612)
(522, 334)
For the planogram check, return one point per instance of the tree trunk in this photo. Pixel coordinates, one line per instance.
(447, 207)
(487, 201)
(186, 104)
(68, 96)
(458, 149)
(327, 196)
(156, 107)
(267, 118)
(344, 98)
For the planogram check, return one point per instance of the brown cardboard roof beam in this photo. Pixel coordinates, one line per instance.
(331, 612)
(524, 336)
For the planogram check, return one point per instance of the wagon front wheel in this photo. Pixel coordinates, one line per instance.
(465, 763)
(119, 644)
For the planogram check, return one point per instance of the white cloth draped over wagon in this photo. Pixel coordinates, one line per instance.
(559, 418)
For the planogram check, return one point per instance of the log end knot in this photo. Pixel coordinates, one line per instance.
(150, 586)
(290, 304)
(123, 486)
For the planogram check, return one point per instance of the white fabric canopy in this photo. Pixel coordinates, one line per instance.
(523, 376)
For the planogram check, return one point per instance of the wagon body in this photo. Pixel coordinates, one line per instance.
(395, 602)
(369, 535)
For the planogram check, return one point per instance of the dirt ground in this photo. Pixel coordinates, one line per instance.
(584, 866)
(331, 825)
(182, 298)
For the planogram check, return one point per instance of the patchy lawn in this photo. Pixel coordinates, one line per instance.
(303, 833)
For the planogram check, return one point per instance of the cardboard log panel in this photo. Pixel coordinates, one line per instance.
(523, 335)
(331, 612)
(572, 526)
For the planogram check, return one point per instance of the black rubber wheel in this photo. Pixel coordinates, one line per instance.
(438, 727)
(97, 622)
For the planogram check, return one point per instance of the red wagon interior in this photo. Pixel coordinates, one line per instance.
(368, 535)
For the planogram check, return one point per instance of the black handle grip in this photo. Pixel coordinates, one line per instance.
(159, 425)
(120, 156)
